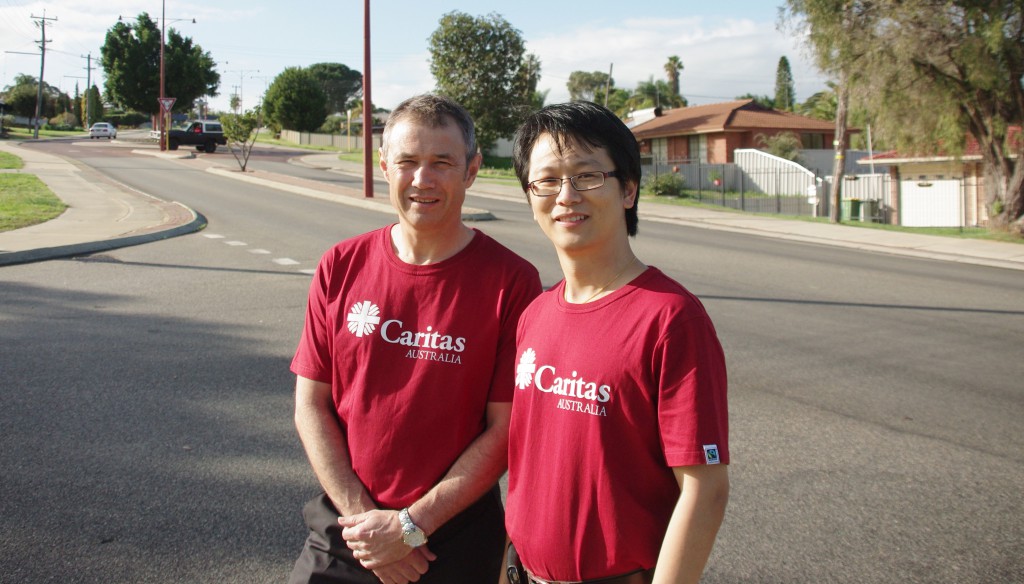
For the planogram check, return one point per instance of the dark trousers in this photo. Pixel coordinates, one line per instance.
(468, 548)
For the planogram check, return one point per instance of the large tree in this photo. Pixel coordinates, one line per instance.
(673, 67)
(588, 85)
(480, 62)
(934, 74)
(295, 101)
(785, 94)
(130, 58)
(21, 98)
(339, 84)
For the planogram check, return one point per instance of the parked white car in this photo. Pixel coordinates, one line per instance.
(102, 130)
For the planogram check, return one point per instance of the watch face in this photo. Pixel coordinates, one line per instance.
(414, 538)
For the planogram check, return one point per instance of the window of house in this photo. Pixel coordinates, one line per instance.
(698, 148)
(812, 141)
(659, 150)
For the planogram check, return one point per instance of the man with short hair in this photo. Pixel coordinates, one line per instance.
(402, 398)
(619, 436)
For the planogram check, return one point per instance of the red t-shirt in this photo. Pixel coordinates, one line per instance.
(413, 353)
(610, 395)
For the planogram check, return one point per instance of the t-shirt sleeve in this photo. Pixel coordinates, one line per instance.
(312, 357)
(524, 288)
(692, 402)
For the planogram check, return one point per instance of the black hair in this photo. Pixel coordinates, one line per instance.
(435, 111)
(586, 125)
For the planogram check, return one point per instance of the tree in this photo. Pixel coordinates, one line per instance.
(130, 57)
(295, 101)
(479, 62)
(961, 61)
(339, 84)
(673, 67)
(836, 32)
(784, 144)
(588, 86)
(820, 106)
(785, 95)
(241, 131)
(653, 93)
(93, 105)
(762, 100)
(21, 98)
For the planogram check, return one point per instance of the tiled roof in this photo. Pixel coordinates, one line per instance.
(738, 115)
(972, 151)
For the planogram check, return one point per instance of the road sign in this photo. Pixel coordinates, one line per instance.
(166, 103)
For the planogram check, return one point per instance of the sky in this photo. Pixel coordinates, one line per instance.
(728, 48)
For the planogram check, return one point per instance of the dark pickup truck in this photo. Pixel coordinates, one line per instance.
(203, 134)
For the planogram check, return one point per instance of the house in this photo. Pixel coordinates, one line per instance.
(938, 190)
(711, 133)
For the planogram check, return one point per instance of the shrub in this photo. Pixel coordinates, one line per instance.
(666, 185)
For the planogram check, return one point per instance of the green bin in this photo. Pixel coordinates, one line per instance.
(849, 210)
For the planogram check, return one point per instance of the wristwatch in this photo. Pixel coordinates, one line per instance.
(412, 535)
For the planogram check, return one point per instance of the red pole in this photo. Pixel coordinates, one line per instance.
(163, 22)
(367, 107)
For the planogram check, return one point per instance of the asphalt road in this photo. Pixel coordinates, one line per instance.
(145, 409)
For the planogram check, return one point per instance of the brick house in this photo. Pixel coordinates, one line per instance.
(711, 133)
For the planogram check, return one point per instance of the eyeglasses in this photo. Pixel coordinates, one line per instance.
(584, 181)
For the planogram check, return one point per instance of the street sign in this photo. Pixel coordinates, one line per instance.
(166, 103)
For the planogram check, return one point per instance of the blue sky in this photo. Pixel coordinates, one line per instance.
(728, 48)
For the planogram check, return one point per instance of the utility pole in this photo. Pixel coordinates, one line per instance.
(88, 86)
(41, 23)
(608, 84)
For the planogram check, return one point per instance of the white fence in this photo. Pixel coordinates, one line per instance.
(332, 140)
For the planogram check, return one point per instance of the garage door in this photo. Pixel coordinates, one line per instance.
(930, 203)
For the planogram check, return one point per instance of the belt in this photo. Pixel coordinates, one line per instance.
(638, 577)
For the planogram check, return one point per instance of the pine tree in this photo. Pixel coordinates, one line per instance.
(785, 98)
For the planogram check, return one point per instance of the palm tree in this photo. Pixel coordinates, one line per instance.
(672, 68)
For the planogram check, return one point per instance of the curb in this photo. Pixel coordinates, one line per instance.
(197, 223)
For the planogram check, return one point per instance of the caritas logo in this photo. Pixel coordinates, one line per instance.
(576, 393)
(364, 318)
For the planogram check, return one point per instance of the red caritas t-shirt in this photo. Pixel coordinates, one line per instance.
(610, 395)
(413, 353)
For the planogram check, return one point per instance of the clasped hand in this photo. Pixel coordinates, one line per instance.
(375, 538)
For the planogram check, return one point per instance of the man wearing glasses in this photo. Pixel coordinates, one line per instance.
(618, 448)
(402, 396)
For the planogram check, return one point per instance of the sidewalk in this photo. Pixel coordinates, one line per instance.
(104, 215)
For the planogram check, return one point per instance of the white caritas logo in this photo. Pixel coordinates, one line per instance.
(575, 393)
(527, 366)
(363, 318)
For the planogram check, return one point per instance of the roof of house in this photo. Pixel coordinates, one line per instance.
(972, 151)
(730, 116)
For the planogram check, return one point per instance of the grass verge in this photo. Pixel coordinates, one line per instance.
(10, 161)
(959, 232)
(25, 201)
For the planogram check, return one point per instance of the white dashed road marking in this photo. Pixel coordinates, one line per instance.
(260, 251)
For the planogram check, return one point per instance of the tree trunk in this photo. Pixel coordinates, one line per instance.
(842, 99)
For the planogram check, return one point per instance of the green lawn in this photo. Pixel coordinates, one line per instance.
(18, 133)
(25, 201)
(8, 160)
